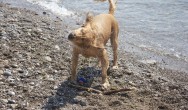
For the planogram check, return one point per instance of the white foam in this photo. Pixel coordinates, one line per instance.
(53, 6)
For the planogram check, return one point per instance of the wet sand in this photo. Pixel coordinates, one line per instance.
(35, 65)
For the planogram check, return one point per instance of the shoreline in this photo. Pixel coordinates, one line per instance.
(34, 67)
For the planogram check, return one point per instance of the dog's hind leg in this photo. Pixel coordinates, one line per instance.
(114, 43)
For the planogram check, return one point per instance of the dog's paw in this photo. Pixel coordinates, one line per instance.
(115, 67)
(105, 86)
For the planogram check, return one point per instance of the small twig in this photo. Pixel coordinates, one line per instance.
(86, 88)
(98, 91)
(116, 91)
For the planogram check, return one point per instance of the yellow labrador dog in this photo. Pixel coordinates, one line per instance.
(90, 40)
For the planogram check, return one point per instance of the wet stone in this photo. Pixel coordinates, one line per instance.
(11, 101)
(7, 73)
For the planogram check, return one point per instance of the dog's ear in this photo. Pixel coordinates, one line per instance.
(89, 17)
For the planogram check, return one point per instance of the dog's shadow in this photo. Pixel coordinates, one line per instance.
(64, 95)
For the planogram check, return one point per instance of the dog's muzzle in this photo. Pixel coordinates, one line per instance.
(71, 36)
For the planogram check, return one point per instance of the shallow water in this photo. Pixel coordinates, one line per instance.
(150, 29)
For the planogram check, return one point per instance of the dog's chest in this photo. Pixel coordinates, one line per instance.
(88, 52)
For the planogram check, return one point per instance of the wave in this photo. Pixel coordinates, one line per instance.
(53, 6)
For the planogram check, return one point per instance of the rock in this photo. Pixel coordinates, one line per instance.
(5, 62)
(151, 62)
(48, 58)
(1, 65)
(55, 87)
(3, 100)
(13, 106)
(1, 72)
(82, 103)
(20, 70)
(39, 30)
(14, 66)
(1, 83)
(11, 93)
(7, 73)
(128, 72)
(2, 33)
(57, 47)
(32, 83)
(2, 106)
(44, 12)
(11, 101)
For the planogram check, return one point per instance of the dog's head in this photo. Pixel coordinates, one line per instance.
(84, 35)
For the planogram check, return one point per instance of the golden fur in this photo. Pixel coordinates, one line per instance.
(90, 40)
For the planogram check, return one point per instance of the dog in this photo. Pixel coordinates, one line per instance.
(90, 40)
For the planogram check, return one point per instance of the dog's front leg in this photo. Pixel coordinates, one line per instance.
(74, 65)
(105, 64)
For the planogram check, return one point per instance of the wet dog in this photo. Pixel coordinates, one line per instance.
(90, 40)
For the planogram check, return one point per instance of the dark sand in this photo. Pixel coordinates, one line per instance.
(35, 65)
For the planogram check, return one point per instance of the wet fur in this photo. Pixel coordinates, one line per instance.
(90, 40)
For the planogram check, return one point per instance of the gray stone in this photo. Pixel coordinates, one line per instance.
(57, 47)
(3, 100)
(11, 93)
(32, 83)
(48, 58)
(13, 106)
(7, 73)
(151, 62)
(11, 101)
(14, 66)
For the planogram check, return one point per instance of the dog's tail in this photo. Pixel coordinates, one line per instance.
(112, 6)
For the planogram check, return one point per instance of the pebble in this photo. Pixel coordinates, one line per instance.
(14, 66)
(7, 73)
(57, 47)
(1, 72)
(1, 83)
(48, 58)
(11, 93)
(44, 12)
(4, 100)
(11, 101)
(2, 106)
(152, 62)
(55, 87)
(32, 83)
(13, 106)
(1, 65)
(20, 70)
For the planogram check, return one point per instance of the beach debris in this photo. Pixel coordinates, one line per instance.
(149, 61)
(109, 92)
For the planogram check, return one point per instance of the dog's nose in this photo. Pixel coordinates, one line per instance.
(71, 36)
